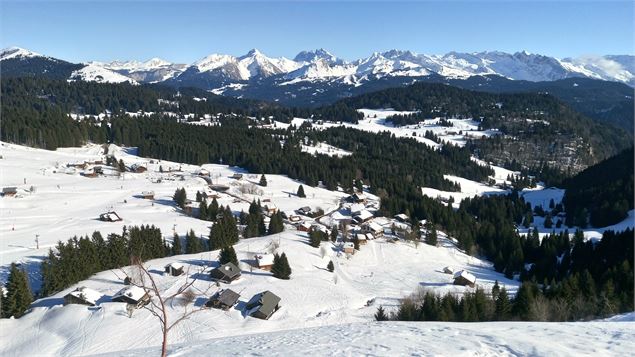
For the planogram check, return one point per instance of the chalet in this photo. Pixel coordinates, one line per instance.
(223, 299)
(362, 216)
(306, 210)
(133, 295)
(319, 227)
(263, 305)
(270, 208)
(356, 208)
(264, 261)
(137, 168)
(464, 278)
(401, 217)
(174, 269)
(9, 191)
(236, 176)
(373, 228)
(361, 238)
(89, 173)
(82, 296)
(358, 197)
(448, 270)
(225, 273)
(304, 227)
(369, 236)
(348, 248)
(203, 172)
(148, 195)
(294, 218)
(111, 216)
(219, 188)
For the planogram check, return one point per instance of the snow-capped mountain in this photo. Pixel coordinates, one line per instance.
(95, 73)
(219, 70)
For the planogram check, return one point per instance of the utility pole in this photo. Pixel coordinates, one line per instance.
(37, 241)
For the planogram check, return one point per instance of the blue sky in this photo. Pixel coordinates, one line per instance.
(187, 31)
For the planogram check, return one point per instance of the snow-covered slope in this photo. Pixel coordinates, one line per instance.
(253, 64)
(17, 52)
(152, 70)
(95, 73)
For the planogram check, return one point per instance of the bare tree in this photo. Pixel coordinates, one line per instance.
(159, 303)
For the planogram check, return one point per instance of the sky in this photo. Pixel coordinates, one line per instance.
(183, 32)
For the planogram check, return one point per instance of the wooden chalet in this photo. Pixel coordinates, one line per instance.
(82, 296)
(111, 216)
(132, 295)
(223, 299)
(174, 269)
(464, 278)
(148, 195)
(264, 261)
(225, 273)
(263, 305)
(304, 227)
(9, 191)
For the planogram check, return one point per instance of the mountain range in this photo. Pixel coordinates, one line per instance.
(218, 70)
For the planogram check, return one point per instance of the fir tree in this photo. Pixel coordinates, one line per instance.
(380, 315)
(281, 268)
(431, 234)
(228, 255)
(334, 234)
(315, 238)
(121, 166)
(263, 181)
(176, 245)
(18, 296)
(192, 243)
(330, 267)
(276, 224)
(301, 192)
(502, 305)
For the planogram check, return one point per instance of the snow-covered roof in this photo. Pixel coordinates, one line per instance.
(369, 236)
(264, 259)
(86, 294)
(361, 236)
(374, 227)
(401, 216)
(348, 245)
(133, 292)
(465, 275)
(174, 265)
(364, 215)
(357, 207)
(147, 193)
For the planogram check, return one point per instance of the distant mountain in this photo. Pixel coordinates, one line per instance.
(19, 62)
(151, 71)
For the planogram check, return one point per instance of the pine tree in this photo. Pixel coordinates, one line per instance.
(18, 296)
(176, 245)
(380, 315)
(180, 196)
(548, 221)
(281, 268)
(330, 267)
(276, 225)
(315, 238)
(121, 166)
(503, 306)
(431, 234)
(263, 181)
(192, 243)
(334, 234)
(228, 255)
(301, 192)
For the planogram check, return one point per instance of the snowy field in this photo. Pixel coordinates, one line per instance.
(598, 338)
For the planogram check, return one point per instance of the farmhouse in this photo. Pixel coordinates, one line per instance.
(264, 261)
(263, 305)
(111, 216)
(464, 278)
(362, 216)
(223, 299)
(148, 195)
(9, 191)
(83, 296)
(348, 248)
(133, 295)
(174, 269)
(225, 273)
(304, 226)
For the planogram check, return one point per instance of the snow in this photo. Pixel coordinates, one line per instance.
(609, 338)
(94, 73)
(325, 149)
(87, 294)
(17, 52)
(264, 259)
(133, 292)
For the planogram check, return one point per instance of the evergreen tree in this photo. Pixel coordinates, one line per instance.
(334, 234)
(18, 295)
(192, 243)
(431, 234)
(315, 238)
(180, 196)
(228, 255)
(503, 306)
(548, 221)
(281, 268)
(330, 267)
(202, 210)
(276, 225)
(176, 245)
(263, 181)
(380, 315)
(121, 166)
(212, 210)
(301, 192)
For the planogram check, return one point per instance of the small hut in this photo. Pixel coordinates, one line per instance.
(82, 296)
(348, 248)
(225, 273)
(174, 269)
(464, 278)
(223, 299)
(148, 195)
(264, 261)
(9, 191)
(132, 295)
(263, 305)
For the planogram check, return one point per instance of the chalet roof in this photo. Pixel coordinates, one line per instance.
(359, 196)
(364, 215)
(356, 208)
(226, 297)
(264, 302)
(131, 292)
(348, 245)
(401, 216)
(9, 189)
(89, 295)
(369, 236)
(305, 209)
(374, 227)
(264, 259)
(465, 275)
(174, 265)
(147, 193)
(229, 270)
(361, 236)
